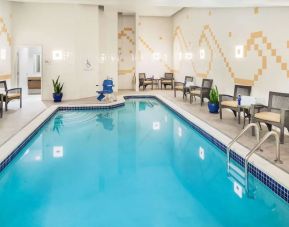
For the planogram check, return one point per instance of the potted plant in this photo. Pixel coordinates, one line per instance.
(57, 86)
(213, 104)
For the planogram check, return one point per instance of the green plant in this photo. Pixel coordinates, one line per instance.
(57, 86)
(214, 95)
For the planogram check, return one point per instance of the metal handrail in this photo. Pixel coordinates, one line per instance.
(255, 148)
(257, 129)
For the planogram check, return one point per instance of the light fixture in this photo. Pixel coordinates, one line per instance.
(3, 54)
(57, 152)
(238, 189)
(188, 56)
(156, 125)
(57, 55)
(202, 153)
(156, 56)
(239, 51)
(202, 54)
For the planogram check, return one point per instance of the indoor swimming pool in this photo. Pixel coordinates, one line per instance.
(135, 165)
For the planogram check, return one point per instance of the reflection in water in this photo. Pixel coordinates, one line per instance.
(58, 123)
(57, 151)
(106, 120)
(143, 105)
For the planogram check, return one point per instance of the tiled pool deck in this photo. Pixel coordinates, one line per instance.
(15, 119)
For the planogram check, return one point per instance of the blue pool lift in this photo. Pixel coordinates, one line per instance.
(107, 89)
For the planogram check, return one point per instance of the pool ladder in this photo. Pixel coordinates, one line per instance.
(236, 169)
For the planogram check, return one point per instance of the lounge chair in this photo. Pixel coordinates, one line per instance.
(181, 86)
(202, 92)
(275, 114)
(230, 102)
(167, 80)
(144, 81)
(10, 94)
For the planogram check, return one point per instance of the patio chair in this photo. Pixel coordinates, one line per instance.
(10, 94)
(203, 91)
(275, 114)
(230, 102)
(167, 80)
(144, 81)
(181, 86)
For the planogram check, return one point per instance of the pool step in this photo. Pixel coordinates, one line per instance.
(235, 173)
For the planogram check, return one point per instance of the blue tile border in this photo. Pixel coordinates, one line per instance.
(277, 188)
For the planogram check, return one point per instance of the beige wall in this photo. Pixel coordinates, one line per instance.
(5, 39)
(262, 32)
(72, 29)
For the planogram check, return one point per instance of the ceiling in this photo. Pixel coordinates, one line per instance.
(166, 7)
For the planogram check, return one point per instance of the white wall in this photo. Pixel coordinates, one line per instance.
(264, 30)
(154, 45)
(72, 29)
(108, 44)
(5, 37)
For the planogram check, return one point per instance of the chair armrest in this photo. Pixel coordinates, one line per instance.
(14, 89)
(223, 97)
(255, 107)
(194, 87)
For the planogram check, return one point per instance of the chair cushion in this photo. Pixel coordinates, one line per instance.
(148, 82)
(230, 103)
(13, 95)
(268, 116)
(167, 81)
(195, 92)
(179, 87)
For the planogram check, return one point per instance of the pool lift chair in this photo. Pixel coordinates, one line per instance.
(107, 91)
(239, 171)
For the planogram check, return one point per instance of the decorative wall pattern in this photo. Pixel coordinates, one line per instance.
(4, 31)
(126, 53)
(264, 63)
(155, 45)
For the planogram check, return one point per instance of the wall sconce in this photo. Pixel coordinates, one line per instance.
(3, 54)
(188, 56)
(57, 55)
(156, 56)
(202, 153)
(239, 51)
(202, 54)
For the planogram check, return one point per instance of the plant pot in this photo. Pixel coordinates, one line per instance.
(213, 107)
(57, 97)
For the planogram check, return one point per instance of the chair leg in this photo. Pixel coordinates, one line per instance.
(21, 101)
(175, 92)
(221, 113)
(190, 99)
(282, 135)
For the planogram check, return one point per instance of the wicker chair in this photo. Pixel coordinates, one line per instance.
(202, 92)
(230, 102)
(144, 81)
(181, 86)
(167, 80)
(275, 114)
(10, 94)
(1, 105)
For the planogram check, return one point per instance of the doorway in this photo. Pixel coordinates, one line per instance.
(29, 70)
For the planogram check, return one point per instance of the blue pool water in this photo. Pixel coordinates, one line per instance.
(133, 166)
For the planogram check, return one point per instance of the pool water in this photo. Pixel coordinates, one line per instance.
(137, 165)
